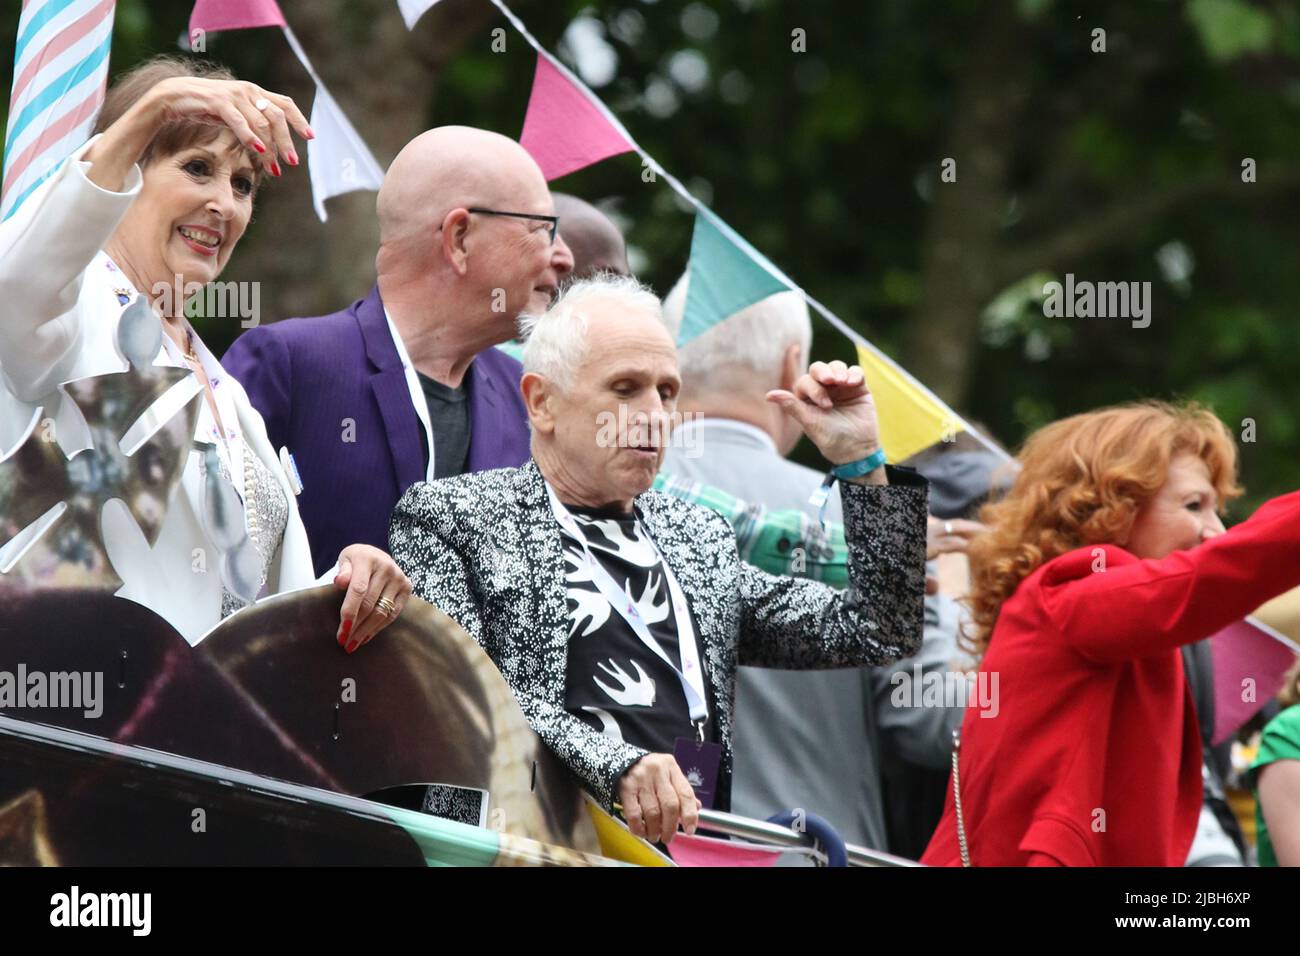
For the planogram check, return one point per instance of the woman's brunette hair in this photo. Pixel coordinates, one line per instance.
(174, 135)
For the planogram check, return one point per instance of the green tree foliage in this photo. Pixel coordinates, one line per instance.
(1122, 165)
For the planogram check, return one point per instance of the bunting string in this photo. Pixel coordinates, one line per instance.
(726, 272)
(338, 160)
(912, 416)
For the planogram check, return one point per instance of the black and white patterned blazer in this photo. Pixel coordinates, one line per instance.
(485, 548)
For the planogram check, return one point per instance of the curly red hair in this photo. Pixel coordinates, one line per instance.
(1082, 482)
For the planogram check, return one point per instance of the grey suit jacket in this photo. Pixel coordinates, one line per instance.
(485, 549)
(814, 739)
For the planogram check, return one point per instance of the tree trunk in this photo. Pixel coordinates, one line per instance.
(960, 246)
(384, 78)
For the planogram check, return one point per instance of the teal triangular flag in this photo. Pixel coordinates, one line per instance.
(726, 274)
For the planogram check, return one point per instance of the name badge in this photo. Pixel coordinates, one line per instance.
(290, 470)
(700, 762)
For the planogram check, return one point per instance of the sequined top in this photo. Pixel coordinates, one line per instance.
(266, 509)
(266, 512)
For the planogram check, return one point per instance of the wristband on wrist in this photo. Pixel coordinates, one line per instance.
(863, 466)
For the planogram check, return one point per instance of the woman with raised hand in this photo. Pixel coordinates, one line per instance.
(156, 201)
(1106, 556)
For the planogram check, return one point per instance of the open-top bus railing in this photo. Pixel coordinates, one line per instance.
(773, 834)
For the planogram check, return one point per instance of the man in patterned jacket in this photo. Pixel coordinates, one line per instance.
(619, 615)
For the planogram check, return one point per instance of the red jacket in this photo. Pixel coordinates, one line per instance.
(1094, 755)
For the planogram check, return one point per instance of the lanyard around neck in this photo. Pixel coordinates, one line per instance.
(416, 391)
(690, 675)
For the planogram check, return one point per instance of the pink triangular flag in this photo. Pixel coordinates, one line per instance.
(213, 15)
(1250, 664)
(563, 129)
(707, 851)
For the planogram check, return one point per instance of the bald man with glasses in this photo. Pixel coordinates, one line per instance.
(405, 385)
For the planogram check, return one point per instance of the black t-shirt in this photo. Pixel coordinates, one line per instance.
(449, 418)
(614, 682)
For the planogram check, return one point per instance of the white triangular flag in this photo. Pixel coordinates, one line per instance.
(337, 159)
(412, 10)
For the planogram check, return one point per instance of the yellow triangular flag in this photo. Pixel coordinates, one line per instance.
(618, 843)
(1282, 614)
(911, 419)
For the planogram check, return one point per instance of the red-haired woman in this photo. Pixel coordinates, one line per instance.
(1104, 558)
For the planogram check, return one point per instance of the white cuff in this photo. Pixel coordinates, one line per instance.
(79, 167)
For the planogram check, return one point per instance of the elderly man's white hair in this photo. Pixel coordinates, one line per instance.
(747, 343)
(557, 339)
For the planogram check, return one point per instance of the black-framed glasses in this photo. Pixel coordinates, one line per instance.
(553, 220)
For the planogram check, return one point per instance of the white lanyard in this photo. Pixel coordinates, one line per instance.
(416, 390)
(689, 674)
(231, 447)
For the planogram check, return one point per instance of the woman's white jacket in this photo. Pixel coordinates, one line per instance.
(57, 324)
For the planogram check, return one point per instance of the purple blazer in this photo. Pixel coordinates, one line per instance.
(308, 377)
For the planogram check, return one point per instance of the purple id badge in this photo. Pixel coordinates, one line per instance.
(699, 761)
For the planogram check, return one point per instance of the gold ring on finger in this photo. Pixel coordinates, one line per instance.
(385, 607)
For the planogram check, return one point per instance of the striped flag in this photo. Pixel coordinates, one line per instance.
(60, 72)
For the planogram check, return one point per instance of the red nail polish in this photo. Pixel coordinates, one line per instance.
(259, 147)
(352, 646)
(292, 157)
(347, 628)
(310, 134)
(275, 169)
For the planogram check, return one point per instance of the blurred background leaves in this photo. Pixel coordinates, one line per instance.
(1122, 165)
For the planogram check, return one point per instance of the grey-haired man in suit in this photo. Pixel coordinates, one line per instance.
(804, 739)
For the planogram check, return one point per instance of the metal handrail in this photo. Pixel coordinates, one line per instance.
(771, 833)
